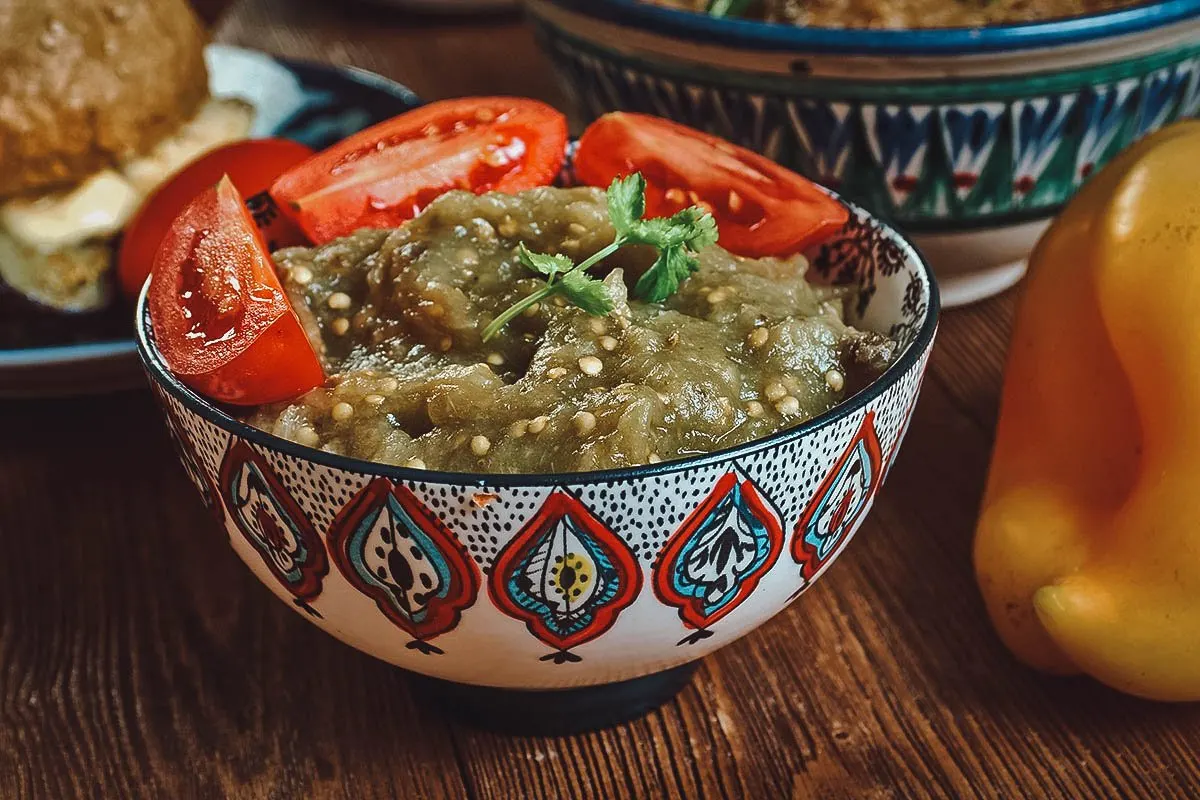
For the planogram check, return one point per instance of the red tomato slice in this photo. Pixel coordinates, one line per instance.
(386, 174)
(761, 208)
(252, 164)
(220, 317)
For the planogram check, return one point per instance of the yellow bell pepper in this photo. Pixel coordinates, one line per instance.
(1088, 546)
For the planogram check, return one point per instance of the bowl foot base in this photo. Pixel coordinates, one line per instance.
(962, 290)
(556, 712)
(975, 264)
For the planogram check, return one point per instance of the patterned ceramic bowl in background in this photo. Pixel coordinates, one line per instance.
(542, 582)
(970, 140)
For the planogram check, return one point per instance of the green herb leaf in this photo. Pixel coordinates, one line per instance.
(677, 238)
(548, 264)
(702, 227)
(626, 201)
(588, 293)
(690, 228)
(673, 265)
(728, 8)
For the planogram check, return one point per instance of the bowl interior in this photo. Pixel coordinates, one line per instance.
(897, 295)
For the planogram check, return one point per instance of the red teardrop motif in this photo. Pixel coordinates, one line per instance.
(719, 554)
(393, 549)
(271, 520)
(840, 502)
(566, 575)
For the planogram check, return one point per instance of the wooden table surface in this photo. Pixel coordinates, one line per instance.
(139, 658)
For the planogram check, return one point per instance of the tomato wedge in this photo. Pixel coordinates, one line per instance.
(761, 208)
(386, 174)
(252, 164)
(220, 317)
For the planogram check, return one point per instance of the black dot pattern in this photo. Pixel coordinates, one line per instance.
(484, 518)
(321, 491)
(644, 510)
(208, 442)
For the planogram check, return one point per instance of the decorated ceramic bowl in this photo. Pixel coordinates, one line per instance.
(524, 584)
(970, 140)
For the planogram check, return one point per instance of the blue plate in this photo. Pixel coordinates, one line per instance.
(316, 104)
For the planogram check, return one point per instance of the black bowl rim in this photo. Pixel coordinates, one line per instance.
(690, 25)
(913, 352)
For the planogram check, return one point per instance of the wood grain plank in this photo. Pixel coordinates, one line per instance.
(435, 56)
(969, 360)
(141, 658)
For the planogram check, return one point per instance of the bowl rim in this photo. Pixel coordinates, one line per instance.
(916, 349)
(756, 35)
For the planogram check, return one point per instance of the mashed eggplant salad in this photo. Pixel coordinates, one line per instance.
(457, 312)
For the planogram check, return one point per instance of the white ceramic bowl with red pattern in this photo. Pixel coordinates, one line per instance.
(538, 584)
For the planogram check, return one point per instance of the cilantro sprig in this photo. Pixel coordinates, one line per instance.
(677, 238)
(728, 8)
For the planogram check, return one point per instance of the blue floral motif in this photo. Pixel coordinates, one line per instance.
(267, 525)
(836, 510)
(899, 139)
(566, 575)
(933, 155)
(1105, 112)
(716, 558)
(272, 522)
(391, 552)
(1162, 92)
(1189, 105)
(969, 136)
(564, 602)
(1039, 125)
(392, 548)
(826, 133)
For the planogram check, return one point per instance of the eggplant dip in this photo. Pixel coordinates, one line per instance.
(100, 101)
(741, 349)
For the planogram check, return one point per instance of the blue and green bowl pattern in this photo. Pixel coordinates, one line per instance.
(931, 154)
